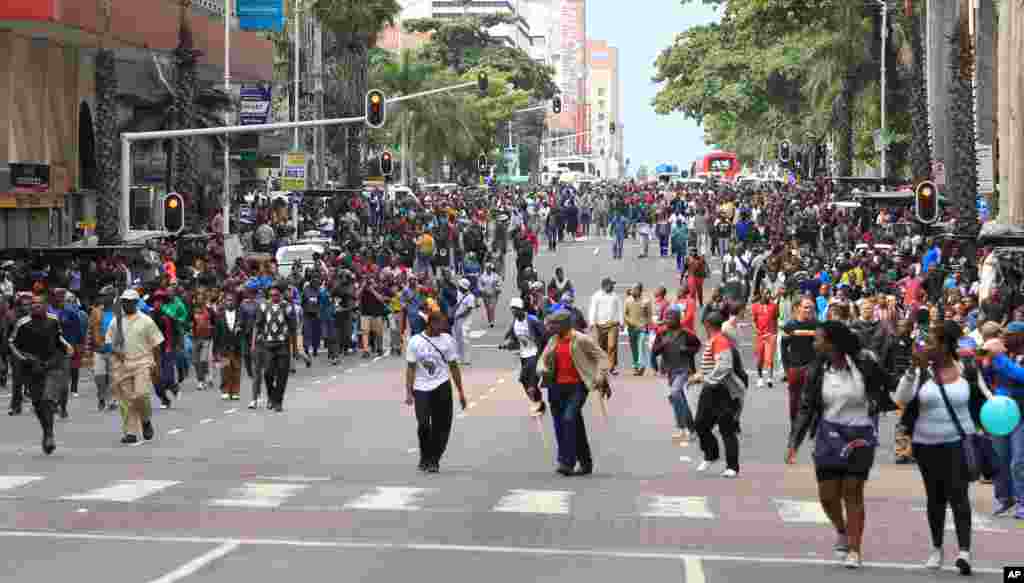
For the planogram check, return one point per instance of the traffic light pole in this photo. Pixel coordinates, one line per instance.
(402, 98)
(128, 138)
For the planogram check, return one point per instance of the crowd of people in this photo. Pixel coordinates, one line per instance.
(857, 312)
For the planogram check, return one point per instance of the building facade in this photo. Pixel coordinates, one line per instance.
(47, 87)
(605, 100)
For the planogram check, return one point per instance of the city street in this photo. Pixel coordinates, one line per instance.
(330, 486)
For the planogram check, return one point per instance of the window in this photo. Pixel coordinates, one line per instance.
(600, 91)
(602, 105)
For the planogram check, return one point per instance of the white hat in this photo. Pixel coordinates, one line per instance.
(516, 304)
(130, 295)
(464, 283)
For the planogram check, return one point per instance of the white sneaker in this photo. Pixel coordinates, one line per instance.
(225, 397)
(729, 473)
(253, 404)
(853, 560)
(760, 383)
(934, 561)
(704, 466)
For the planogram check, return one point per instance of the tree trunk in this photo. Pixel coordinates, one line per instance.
(353, 62)
(920, 134)
(963, 171)
(108, 151)
(186, 159)
(844, 126)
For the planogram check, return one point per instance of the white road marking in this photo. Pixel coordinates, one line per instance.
(124, 491)
(597, 250)
(230, 411)
(317, 382)
(259, 495)
(191, 567)
(492, 389)
(296, 478)
(801, 511)
(378, 358)
(525, 551)
(205, 421)
(82, 510)
(470, 405)
(350, 370)
(678, 507)
(694, 569)
(484, 397)
(387, 498)
(11, 482)
(979, 522)
(461, 415)
(501, 381)
(535, 502)
(173, 431)
(364, 365)
(334, 377)
(477, 334)
(685, 459)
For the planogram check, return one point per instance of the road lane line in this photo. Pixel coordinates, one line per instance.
(11, 482)
(388, 498)
(350, 370)
(535, 502)
(527, 551)
(678, 507)
(230, 411)
(259, 495)
(804, 511)
(190, 568)
(694, 568)
(205, 421)
(124, 491)
(413, 450)
(173, 431)
(296, 478)
(378, 358)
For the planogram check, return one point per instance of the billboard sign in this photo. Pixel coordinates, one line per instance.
(260, 14)
(294, 172)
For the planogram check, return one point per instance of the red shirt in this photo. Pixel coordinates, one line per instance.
(565, 370)
(766, 318)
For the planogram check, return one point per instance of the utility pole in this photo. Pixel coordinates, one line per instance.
(226, 195)
(295, 115)
(318, 72)
(885, 39)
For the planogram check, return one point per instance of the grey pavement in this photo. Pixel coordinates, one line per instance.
(329, 487)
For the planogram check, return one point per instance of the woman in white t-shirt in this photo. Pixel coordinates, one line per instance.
(432, 365)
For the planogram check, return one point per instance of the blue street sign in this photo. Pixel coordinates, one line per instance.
(255, 104)
(260, 14)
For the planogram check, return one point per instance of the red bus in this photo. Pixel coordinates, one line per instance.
(724, 165)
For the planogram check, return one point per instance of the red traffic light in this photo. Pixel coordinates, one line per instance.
(386, 164)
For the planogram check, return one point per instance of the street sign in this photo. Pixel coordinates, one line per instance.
(294, 172)
(254, 104)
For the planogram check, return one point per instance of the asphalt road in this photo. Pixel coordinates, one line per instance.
(329, 488)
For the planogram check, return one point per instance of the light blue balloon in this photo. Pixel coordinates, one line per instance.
(1000, 415)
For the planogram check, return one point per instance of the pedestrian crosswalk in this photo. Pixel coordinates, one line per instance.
(330, 495)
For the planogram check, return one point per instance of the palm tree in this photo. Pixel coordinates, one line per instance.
(108, 207)
(185, 171)
(354, 25)
(404, 77)
(963, 176)
(920, 135)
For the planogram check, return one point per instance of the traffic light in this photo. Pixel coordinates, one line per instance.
(611, 128)
(174, 213)
(386, 164)
(926, 202)
(556, 104)
(481, 163)
(376, 109)
(481, 83)
(784, 151)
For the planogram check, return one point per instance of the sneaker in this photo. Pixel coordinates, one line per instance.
(48, 444)
(225, 397)
(147, 430)
(235, 397)
(254, 404)
(704, 466)
(760, 383)
(129, 439)
(963, 562)
(729, 473)
(842, 545)
(853, 560)
(1000, 507)
(934, 561)
(1019, 514)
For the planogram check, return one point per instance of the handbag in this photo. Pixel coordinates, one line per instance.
(968, 443)
(835, 444)
(913, 409)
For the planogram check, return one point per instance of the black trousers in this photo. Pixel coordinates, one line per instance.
(944, 473)
(716, 407)
(434, 411)
(275, 371)
(43, 398)
(19, 384)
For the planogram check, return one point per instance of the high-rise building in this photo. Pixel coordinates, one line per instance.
(604, 105)
(518, 34)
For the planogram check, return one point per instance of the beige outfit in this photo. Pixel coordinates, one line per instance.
(132, 368)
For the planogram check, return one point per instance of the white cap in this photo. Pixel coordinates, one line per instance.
(464, 283)
(130, 295)
(516, 304)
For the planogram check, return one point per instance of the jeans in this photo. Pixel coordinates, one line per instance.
(1009, 478)
(201, 348)
(311, 331)
(168, 361)
(677, 397)
(680, 260)
(645, 239)
(638, 347)
(617, 247)
(433, 421)
(570, 430)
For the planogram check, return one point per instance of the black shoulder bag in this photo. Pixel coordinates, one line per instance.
(913, 409)
(968, 443)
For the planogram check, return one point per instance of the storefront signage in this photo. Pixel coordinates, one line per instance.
(255, 105)
(30, 177)
(294, 172)
(260, 14)
(31, 200)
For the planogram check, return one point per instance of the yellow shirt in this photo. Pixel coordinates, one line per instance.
(425, 244)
